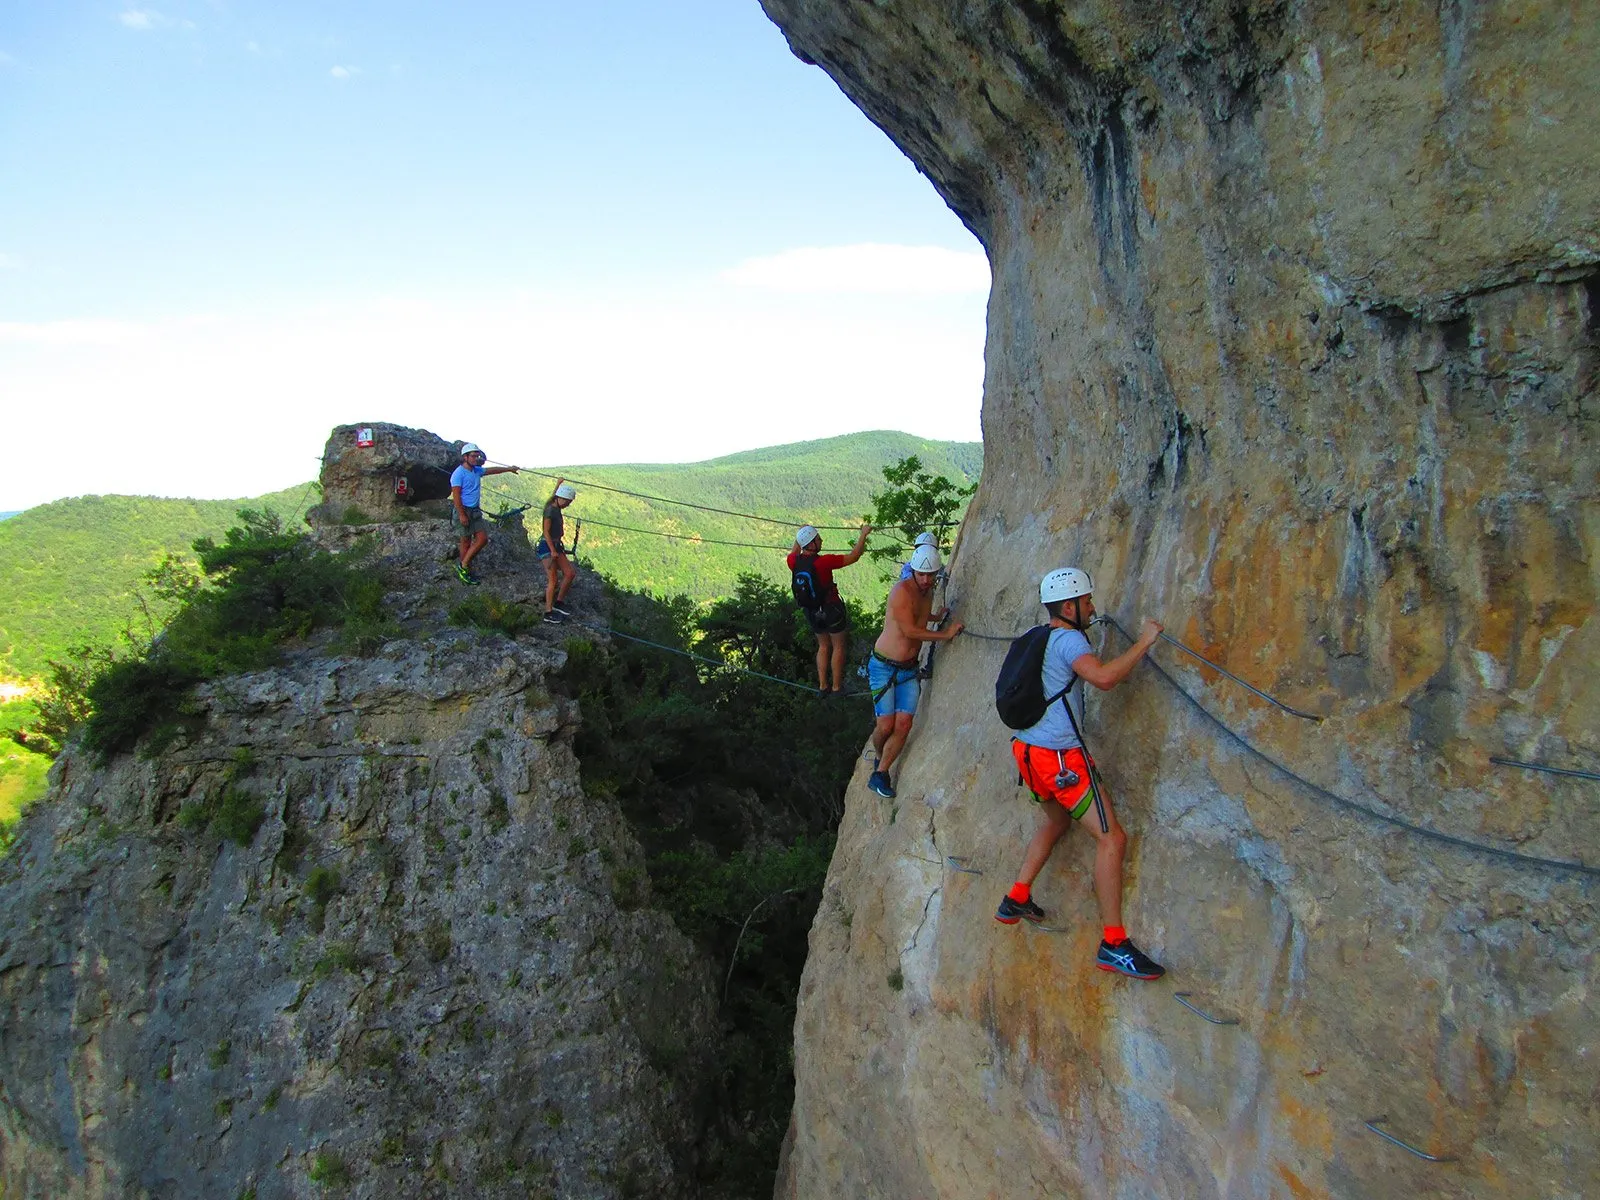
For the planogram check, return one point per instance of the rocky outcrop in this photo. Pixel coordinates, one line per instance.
(431, 971)
(1292, 344)
(383, 472)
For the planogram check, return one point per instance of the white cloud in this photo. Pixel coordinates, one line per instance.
(866, 269)
(541, 380)
(145, 19)
(344, 72)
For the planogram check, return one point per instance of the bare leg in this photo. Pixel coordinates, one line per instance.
(1111, 844)
(823, 651)
(568, 574)
(841, 642)
(880, 734)
(549, 583)
(1057, 822)
(479, 541)
(896, 740)
(462, 557)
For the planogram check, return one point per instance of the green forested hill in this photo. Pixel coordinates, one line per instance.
(70, 571)
(824, 482)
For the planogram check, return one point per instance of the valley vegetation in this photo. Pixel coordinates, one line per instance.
(733, 785)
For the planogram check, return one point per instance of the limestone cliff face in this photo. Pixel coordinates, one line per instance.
(1292, 344)
(431, 972)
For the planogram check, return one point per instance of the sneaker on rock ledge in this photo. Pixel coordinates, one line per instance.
(1127, 959)
(878, 782)
(1011, 911)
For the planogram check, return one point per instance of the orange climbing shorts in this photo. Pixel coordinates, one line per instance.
(1041, 768)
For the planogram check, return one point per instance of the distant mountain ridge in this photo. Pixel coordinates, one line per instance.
(71, 570)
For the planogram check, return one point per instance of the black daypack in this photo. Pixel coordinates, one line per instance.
(1019, 691)
(804, 584)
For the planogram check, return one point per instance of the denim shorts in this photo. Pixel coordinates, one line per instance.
(894, 688)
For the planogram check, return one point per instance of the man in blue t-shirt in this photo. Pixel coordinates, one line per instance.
(466, 490)
(1051, 759)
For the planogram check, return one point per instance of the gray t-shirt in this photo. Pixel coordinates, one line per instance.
(1054, 731)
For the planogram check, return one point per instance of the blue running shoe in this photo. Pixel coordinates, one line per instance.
(1012, 911)
(878, 782)
(1127, 959)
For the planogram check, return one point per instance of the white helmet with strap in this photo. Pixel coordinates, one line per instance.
(1067, 583)
(806, 535)
(566, 492)
(925, 560)
(926, 539)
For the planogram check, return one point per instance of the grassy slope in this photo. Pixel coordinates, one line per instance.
(69, 571)
(824, 482)
(22, 773)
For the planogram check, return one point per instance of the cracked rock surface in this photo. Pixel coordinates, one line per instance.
(431, 972)
(1292, 344)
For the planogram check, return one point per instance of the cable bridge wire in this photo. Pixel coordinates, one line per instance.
(726, 512)
(1422, 831)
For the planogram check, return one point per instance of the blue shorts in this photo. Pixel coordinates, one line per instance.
(894, 688)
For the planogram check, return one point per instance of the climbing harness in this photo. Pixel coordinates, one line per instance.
(894, 680)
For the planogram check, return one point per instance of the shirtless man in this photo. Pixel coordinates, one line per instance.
(892, 671)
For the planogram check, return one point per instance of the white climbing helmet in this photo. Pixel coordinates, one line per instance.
(1068, 583)
(566, 492)
(925, 560)
(807, 535)
(926, 539)
(470, 448)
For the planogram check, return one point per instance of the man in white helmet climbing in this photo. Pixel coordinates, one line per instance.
(892, 670)
(1051, 759)
(923, 539)
(558, 569)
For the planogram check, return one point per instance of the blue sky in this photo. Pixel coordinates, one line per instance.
(575, 232)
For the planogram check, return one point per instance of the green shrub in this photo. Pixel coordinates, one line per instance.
(341, 956)
(233, 813)
(264, 587)
(436, 941)
(329, 1170)
(488, 611)
(322, 885)
(239, 815)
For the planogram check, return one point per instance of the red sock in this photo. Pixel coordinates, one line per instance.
(1115, 934)
(1020, 892)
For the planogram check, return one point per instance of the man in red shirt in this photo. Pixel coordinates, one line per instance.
(818, 597)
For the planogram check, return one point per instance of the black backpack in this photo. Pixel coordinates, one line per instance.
(804, 584)
(1019, 691)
